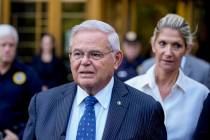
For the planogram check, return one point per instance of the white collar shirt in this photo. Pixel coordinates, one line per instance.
(182, 107)
(101, 110)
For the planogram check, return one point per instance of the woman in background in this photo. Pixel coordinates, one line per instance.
(50, 69)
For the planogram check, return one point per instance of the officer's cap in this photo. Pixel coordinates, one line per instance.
(131, 37)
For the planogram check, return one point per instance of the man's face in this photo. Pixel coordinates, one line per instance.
(7, 49)
(92, 60)
(131, 50)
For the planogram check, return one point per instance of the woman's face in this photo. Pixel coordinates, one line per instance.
(169, 47)
(47, 43)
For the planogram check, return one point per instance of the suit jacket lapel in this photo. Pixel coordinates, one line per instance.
(64, 105)
(117, 110)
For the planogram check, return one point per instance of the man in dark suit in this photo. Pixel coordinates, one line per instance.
(202, 131)
(96, 105)
(192, 66)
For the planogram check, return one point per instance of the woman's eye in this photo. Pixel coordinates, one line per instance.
(177, 45)
(162, 43)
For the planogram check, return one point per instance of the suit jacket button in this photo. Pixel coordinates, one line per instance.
(119, 103)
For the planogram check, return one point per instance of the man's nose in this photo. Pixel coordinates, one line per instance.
(85, 60)
(7, 47)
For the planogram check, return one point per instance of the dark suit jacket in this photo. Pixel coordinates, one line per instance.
(197, 69)
(139, 117)
(203, 128)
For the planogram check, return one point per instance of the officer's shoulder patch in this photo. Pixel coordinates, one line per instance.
(19, 78)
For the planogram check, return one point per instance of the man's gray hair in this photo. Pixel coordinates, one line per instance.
(177, 22)
(6, 29)
(113, 37)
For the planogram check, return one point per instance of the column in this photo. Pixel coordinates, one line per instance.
(54, 23)
(5, 11)
(94, 9)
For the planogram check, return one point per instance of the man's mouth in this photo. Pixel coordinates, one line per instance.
(168, 61)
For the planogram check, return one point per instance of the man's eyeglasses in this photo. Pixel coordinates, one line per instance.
(95, 55)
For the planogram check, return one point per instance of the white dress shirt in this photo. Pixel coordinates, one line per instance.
(101, 110)
(182, 107)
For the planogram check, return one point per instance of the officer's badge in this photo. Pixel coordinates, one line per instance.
(19, 78)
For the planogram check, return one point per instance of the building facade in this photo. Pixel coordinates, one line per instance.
(34, 17)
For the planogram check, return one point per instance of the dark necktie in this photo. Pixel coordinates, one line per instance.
(87, 125)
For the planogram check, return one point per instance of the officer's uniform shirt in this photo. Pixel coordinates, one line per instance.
(128, 69)
(17, 86)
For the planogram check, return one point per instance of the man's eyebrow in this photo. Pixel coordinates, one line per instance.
(76, 50)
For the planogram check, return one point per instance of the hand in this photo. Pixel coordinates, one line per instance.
(10, 135)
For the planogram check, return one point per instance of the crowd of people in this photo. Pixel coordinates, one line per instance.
(19, 82)
(115, 94)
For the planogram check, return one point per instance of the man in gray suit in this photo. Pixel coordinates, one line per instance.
(192, 66)
(116, 111)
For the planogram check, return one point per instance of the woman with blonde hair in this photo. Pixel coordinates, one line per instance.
(180, 96)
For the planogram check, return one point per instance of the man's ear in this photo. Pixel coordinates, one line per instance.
(118, 59)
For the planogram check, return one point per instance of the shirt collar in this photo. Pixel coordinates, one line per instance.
(183, 61)
(150, 79)
(180, 82)
(103, 96)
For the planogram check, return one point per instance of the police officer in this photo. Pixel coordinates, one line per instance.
(18, 83)
(132, 49)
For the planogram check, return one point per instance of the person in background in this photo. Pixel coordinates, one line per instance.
(18, 83)
(202, 131)
(180, 96)
(50, 69)
(192, 66)
(132, 48)
(96, 105)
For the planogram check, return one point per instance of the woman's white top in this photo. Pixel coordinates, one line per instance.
(182, 107)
